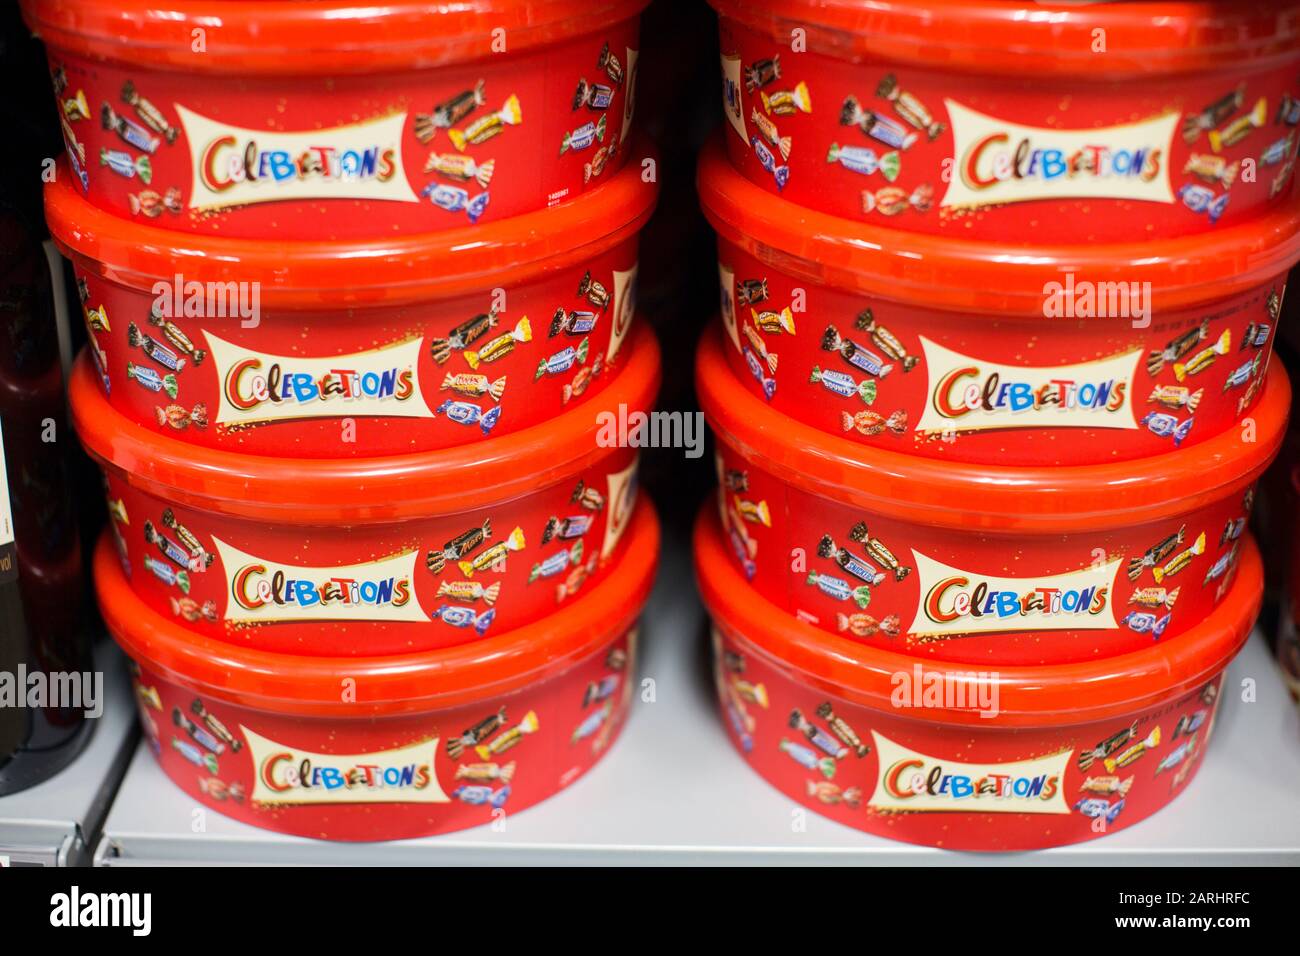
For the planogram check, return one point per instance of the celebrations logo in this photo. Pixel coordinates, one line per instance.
(997, 161)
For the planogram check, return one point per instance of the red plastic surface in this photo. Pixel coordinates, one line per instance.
(322, 120)
(371, 556)
(962, 757)
(981, 564)
(1029, 125)
(279, 742)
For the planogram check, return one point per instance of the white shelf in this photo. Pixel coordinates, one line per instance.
(54, 823)
(673, 791)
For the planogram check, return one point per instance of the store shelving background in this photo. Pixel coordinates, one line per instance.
(673, 791)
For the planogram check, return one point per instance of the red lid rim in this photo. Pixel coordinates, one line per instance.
(1055, 694)
(308, 490)
(401, 683)
(1051, 499)
(971, 275)
(1142, 38)
(380, 272)
(284, 37)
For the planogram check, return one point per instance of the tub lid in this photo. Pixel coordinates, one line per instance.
(1042, 499)
(1053, 37)
(361, 490)
(283, 37)
(1057, 694)
(403, 683)
(945, 273)
(388, 271)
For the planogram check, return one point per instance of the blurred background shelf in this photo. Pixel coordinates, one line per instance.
(674, 792)
(57, 822)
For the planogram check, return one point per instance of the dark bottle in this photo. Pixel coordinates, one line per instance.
(43, 600)
(44, 639)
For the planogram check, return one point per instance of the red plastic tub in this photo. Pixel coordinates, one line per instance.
(367, 557)
(1018, 123)
(1005, 758)
(413, 745)
(331, 350)
(976, 564)
(336, 121)
(963, 351)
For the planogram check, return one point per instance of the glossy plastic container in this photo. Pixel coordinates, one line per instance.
(962, 351)
(375, 556)
(425, 743)
(1019, 123)
(981, 564)
(334, 350)
(333, 121)
(1000, 758)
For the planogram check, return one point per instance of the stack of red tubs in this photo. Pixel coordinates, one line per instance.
(991, 390)
(358, 284)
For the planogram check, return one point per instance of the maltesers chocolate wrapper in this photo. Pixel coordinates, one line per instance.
(1041, 123)
(371, 556)
(990, 758)
(327, 121)
(978, 564)
(953, 349)
(318, 349)
(426, 743)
